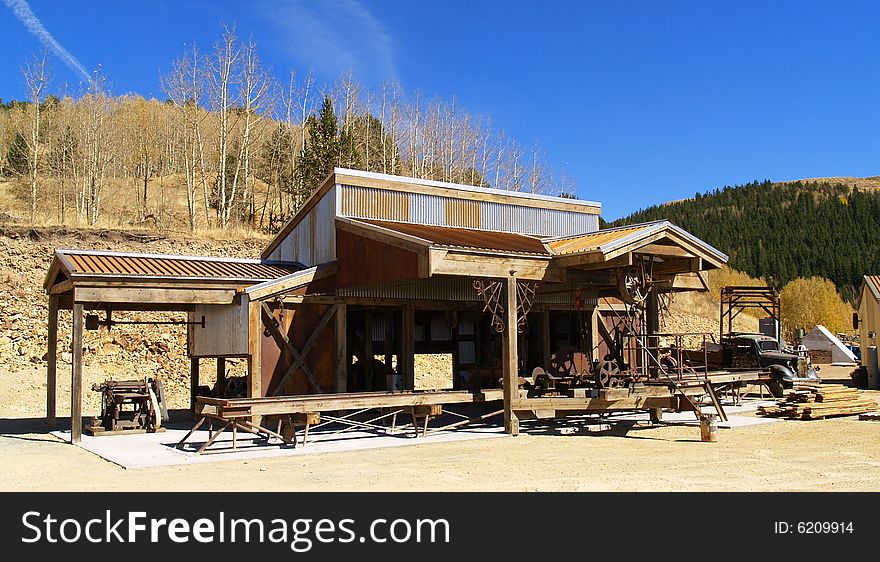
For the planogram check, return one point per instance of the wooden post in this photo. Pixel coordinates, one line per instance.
(193, 382)
(389, 344)
(220, 385)
(368, 349)
(510, 359)
(545, 339)
(255, 341)
(52, 361)
(456, 361)
(408, 356)
(76, 375)
(341, 348)
(595, 337)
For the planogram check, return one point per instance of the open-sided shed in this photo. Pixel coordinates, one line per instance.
(375, 272)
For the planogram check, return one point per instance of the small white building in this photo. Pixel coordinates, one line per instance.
(821, 339)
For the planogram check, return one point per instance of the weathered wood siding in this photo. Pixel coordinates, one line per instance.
(225, 331)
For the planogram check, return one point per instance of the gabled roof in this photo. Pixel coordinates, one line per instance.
(114, 266)
(596, 248)
(872, 282)
(608, 243)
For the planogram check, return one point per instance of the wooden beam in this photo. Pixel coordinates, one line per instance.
(158, 296)
(300, 356)
(384, 235)
(368, 350)
(52, 362)
(283, 342)
(220, 385)
(592, 261)
(255, 336)
(664, 250)
(478, 265)
(545, 338)
(193, 382)
(510, 358)
(290, 282)
(342, 361)
(407, 359)
(76, 376)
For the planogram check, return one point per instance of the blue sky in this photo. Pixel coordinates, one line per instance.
(640, 102)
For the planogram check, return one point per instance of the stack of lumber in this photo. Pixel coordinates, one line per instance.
(818, 401)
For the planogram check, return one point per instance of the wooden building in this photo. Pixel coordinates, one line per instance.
(376, 272)
(868, 311)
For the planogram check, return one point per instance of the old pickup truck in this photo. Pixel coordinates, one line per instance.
(744, 351)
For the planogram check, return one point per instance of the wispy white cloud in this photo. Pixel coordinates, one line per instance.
(335, 36)
(23, 12)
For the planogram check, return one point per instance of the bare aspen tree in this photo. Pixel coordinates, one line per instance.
(254, 85)
(182, 87)
(223, 65)
(36, 78)
(96, 106)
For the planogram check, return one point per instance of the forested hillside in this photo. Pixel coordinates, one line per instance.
(783, 231)
(232, 143)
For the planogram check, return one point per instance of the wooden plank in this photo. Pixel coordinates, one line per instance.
(595, 404)
(52, 362)
(278, 405)
(478, 265)
(159, 296)
(510, 361)
(76, 375)
(341, 348)
(299, 279)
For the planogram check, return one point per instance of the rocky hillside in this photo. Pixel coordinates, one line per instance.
(135, 351)
(126, 352)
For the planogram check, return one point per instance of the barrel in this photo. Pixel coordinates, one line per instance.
(873, 371)
(708, 428)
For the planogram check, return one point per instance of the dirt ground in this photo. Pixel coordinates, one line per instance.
(840, 454)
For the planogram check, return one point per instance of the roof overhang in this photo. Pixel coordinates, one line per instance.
(678, 259)
(155, 281)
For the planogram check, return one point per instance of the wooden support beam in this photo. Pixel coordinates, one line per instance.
(76, 375)
(407, 360)
(300, 356)
(511, 358)
(283, 342)
(342, 361)
(220, 385)
(52, 361)
(545, 339)
(389, 344)
(193, 382)
(158, 296)
(368, 350)
(255, 336)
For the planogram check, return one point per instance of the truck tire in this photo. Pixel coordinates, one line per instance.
(777, 389)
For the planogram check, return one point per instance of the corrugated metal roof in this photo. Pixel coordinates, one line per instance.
(119, 264)
(469, 238)
(594, 240)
